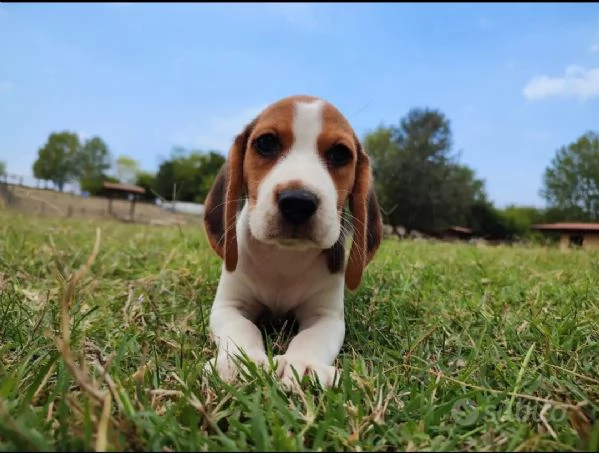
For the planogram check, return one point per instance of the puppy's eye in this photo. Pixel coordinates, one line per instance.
(267, 145)
(339, 155)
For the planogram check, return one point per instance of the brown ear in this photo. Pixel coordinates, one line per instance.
(367, 222)
(223, 200)
(336, 254)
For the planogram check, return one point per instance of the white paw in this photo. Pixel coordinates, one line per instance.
(327, 375)
(228, 367)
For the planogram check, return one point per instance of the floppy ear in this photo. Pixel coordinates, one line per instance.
(222, 202)
(367, 222)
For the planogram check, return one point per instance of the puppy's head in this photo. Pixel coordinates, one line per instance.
(298, 164)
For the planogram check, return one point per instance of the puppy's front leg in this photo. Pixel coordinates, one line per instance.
(233, 330)
(318, 342)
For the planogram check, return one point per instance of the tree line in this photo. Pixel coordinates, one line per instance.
(65, 158)
(419, 178)
(422, 185)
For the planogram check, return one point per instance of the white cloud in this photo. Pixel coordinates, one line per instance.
(5, 86)
(595, 48)
(577, 83)
(219, 132)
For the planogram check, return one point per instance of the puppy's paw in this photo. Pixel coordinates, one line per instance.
(327, 375)
(228, 367)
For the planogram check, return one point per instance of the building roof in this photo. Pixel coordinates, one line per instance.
(123, 188)
(567, 226)
(460, 229)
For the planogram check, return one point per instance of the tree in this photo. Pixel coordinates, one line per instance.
(571, 181)
(211, 165)
(165, 181)
(148, 182)
(58, 159)
(188, 177)
(491, 223)
(521, 218)
(418, 179)
(2, 169)
(94, 161)
(460, 191)
(126, 169)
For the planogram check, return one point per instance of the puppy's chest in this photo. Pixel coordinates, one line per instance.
(283, 285)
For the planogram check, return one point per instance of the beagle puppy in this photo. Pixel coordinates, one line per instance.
(276, 216)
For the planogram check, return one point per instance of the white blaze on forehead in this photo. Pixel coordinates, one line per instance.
(307, 125)
(303, 164)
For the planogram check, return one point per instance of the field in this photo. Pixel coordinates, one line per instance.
(448, 347)
(52, 203)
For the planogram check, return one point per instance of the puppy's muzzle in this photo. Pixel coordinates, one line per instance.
(297, 206)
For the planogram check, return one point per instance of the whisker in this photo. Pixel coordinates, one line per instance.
(225, 202)
(227, 230)
(353, 220)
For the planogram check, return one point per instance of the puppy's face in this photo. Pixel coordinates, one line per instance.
(299, 167)
(297, 163)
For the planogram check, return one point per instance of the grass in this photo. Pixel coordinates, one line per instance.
(448, 347)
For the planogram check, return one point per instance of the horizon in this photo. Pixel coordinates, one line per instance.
(516, 81)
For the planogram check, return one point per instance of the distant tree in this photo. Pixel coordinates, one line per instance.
(94, 162)
(126, 169)
(58, 159)
(2, 169)
(148, 182)
(553, 214)
(165, 182)
(419, 181)
(522, 218)
(461, 190)
(209, 168)
(188, 176)
(489, 222)
(571, 181)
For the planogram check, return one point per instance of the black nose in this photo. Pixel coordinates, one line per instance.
(297, 206)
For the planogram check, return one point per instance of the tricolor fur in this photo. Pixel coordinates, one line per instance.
(275, 215)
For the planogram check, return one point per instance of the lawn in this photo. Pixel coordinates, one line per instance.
(448, 347)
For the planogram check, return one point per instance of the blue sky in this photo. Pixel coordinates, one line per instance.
(517, 81)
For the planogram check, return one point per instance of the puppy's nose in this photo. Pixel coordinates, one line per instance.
(297, 206)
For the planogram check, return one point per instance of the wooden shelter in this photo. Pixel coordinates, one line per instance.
(117, 190)
(583, 235)
(454, 233)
